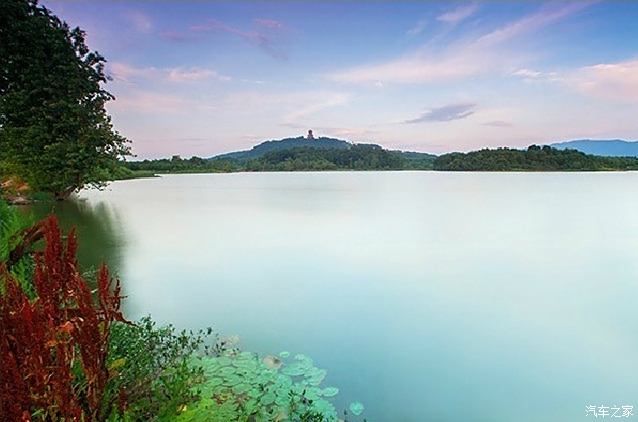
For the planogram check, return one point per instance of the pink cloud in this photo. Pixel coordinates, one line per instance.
(609, 81)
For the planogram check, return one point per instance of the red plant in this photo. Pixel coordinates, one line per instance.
(53, 349)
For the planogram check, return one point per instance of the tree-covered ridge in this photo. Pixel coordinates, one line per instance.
(353, 157)
(534, 158)
(283, 144)
(357, 157)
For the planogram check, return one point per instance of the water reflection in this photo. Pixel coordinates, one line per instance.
(98, 226)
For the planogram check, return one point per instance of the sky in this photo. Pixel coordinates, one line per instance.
(203, 78)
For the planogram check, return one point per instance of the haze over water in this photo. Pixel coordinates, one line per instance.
(427, 296)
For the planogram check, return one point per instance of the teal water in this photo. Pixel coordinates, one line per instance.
(427, 296)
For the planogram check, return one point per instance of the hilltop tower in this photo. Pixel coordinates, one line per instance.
(310, 136)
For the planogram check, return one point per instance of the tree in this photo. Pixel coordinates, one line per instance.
(54, 130)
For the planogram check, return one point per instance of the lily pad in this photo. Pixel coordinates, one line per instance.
(356, 408)
(268, 399)
(241, 388)
(316, 376)
(214, 382)
(227, 371)
(224, 361)
(272, 362)
(294, 369)
(232, 380)
(330, 391)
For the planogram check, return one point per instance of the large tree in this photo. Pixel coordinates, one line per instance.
(54, 130)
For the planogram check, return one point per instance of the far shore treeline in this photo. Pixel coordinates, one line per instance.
(373, 157)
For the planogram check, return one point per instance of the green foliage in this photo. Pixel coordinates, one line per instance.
(535, 158)
(283, 144)
(175, 376)
(121, 172)
(242, 387)
(155, 367)
(354, 157)
(54, 130)
(179, 165)
(357, 157)
(11, 225)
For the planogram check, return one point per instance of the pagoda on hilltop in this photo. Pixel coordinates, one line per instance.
(310, 136)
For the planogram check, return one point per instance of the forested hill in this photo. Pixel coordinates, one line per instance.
(373, 157)
(284, 144)
(534, 158)
(321, 143)
(294, 155)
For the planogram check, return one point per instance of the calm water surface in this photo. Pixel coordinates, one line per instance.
(427, 296)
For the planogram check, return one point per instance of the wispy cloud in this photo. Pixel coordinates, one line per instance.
(418, 27)
(445, 113)
(547, 15)
(267, 35)
(295, 108)
(269, 23)
(530, 75)
(190, 74)
(616, 82)
(498, 123)
(152, 102)
(128, 73)
(608, 81)
(317, 103)
(459, 14)
(139, 21)
(175, 36)
(490, 52)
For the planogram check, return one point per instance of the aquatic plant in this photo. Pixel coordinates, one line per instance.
(356, 408)
(241, 386)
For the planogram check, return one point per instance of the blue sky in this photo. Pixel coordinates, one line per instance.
(202, 78)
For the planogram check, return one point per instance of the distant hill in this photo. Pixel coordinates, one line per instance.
(293, 154)
(262, 149)
(606, 148)
(534, 158)
(322, 143)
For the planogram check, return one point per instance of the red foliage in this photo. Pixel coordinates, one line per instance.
(53, 349)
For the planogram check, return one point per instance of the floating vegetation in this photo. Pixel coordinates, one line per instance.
(274, 388)
(356, 408)
(272, 362)
(330, 391)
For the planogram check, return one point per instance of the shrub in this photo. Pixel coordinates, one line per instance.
(53, 349)
(155, 368)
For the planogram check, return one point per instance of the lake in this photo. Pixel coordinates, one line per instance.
(428, 296)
